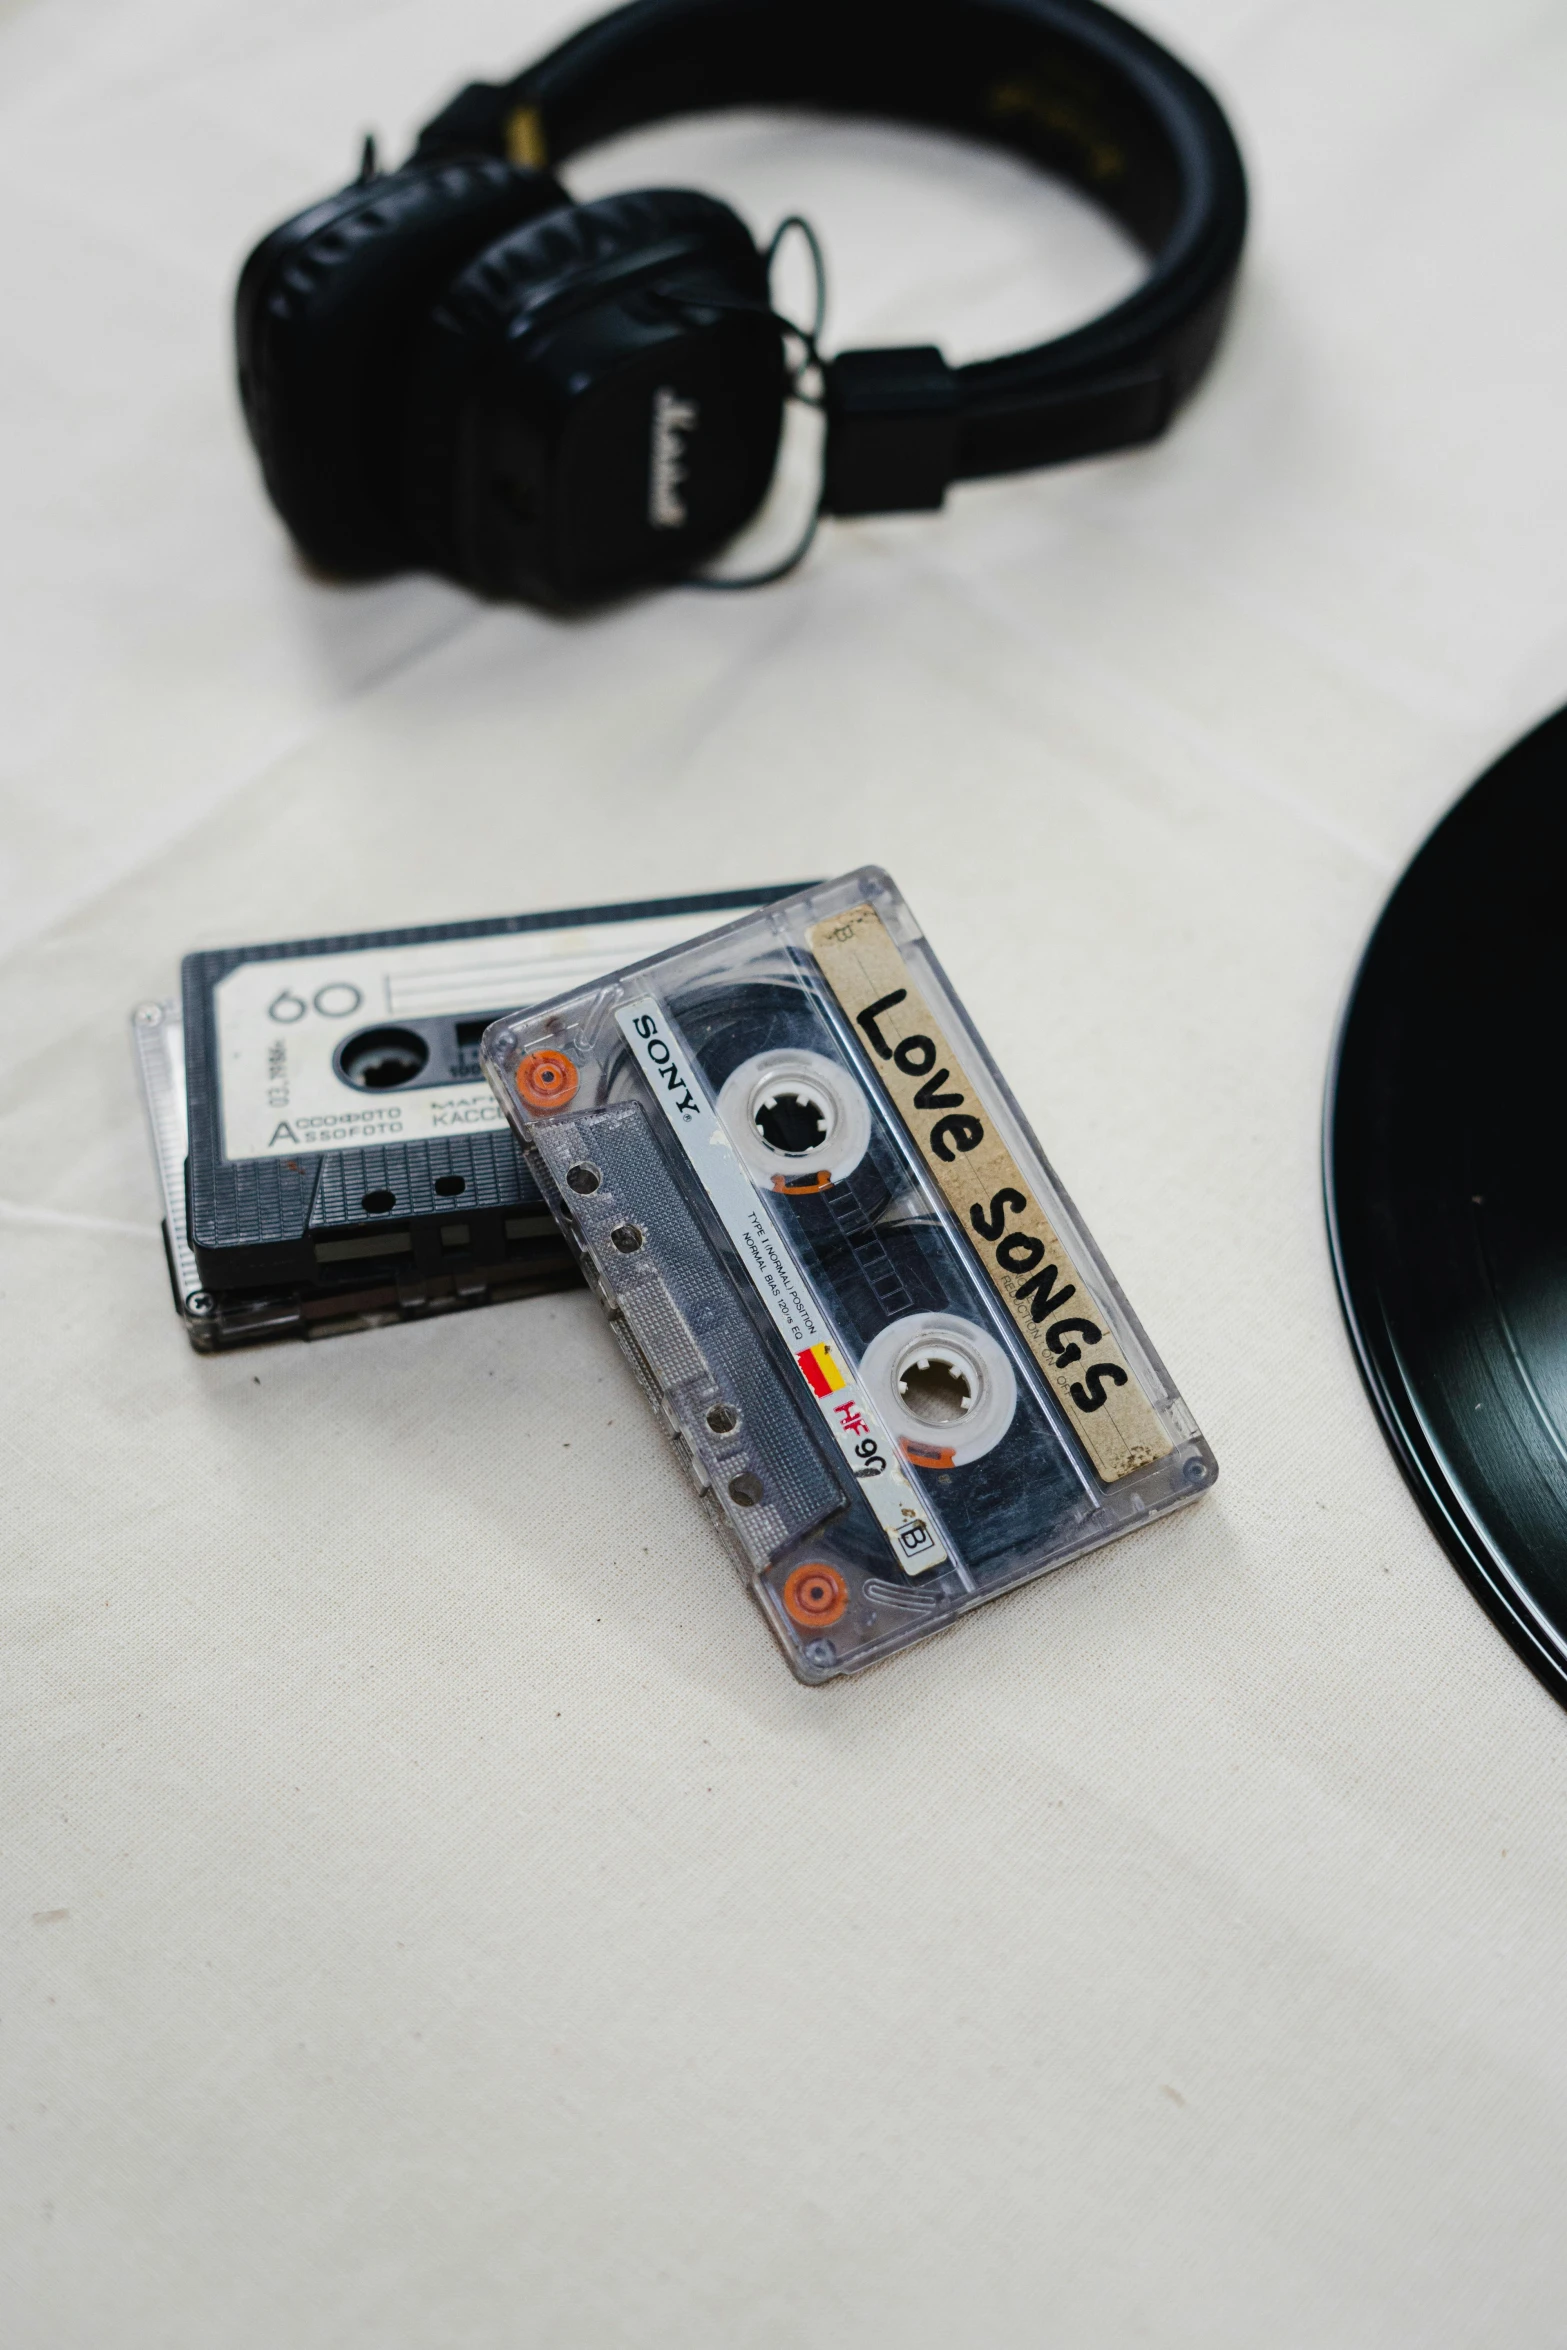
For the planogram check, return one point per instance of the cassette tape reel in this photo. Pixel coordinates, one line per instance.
(798, 1122)
(884, 1344)
(801, 1122)
(945, 1388)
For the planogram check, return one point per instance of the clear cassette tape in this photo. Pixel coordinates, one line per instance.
(888, 1350)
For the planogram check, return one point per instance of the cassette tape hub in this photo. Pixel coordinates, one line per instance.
(330, 1154)
(896, 1365)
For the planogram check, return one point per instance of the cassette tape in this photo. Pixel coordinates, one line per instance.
(884, 1343)
(329, 1153)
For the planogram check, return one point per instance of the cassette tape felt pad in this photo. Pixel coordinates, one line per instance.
(893, 1359)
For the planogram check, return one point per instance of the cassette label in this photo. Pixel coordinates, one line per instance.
(1067, 1331)
(286, 1027)
(868, 1451)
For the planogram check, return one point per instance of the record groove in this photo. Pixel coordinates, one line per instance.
(1444, 1170)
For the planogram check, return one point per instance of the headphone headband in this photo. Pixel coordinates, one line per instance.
(1065, 83)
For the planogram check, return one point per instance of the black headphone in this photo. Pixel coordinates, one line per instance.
(452, 366)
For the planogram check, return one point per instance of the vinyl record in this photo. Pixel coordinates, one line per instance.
(1446, 1180)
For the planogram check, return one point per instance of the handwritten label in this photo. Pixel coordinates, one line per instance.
(1066, 1329)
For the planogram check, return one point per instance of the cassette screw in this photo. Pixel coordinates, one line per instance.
(199, 1305)
(746, 1489)
(628, 1238)
(1196, 1472)
(583, 1179)
(149, 1015)
(723, 1419)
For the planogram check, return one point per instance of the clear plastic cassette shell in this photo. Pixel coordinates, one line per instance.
(882, 1340)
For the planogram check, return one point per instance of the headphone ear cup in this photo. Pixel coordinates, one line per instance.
(523, 411)
(324, 314)
(565, 256)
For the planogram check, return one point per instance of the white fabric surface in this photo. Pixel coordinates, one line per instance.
(432, 1916)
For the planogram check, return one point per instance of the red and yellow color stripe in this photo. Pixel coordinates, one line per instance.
(820, 1366)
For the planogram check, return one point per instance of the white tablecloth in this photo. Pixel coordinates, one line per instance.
(432, 1916)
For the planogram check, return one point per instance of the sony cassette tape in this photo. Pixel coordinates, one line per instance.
(885, 1345)
(329, 1153)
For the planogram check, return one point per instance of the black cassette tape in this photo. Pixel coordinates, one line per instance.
(330, 1155)
(885, 1344)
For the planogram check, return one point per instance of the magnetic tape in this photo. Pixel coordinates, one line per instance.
(329, 1153)
(888, 1350)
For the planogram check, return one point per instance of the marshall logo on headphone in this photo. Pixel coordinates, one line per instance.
(673, 419)
(453, 366)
